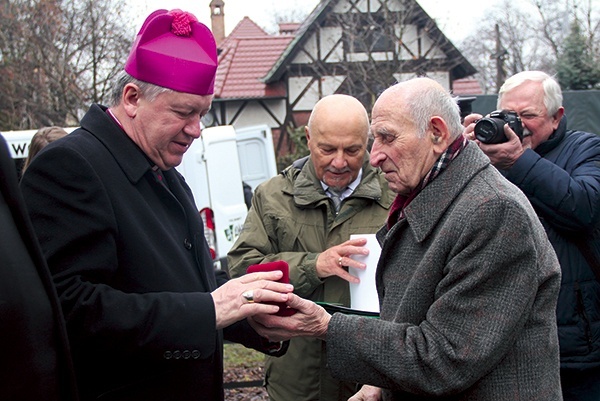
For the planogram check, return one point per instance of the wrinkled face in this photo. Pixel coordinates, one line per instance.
(397, 150)
(527, 100)
(166, 127)
(337, 152)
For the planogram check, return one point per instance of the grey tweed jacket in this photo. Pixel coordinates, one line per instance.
(467, 284)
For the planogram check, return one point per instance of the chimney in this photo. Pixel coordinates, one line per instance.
(217, 20)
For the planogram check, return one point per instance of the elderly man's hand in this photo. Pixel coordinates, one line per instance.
(367, 393)
(501, 155)
(469, 124)
(242, 297)
(335, 260)
(310, 320)
(504, 155)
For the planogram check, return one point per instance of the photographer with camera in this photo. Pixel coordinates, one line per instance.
(559, 172)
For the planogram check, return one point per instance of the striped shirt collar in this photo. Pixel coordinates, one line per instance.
(349, 189)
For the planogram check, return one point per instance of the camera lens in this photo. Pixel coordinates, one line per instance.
(490, 130)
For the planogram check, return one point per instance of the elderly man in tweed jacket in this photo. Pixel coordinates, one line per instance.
(467, 279)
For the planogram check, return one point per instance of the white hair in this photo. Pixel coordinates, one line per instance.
(148, 90)
(433, 101)
(552, 92)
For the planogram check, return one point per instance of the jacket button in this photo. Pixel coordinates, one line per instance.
(177, 354)
(195, 354)
(186, 354)
(168, 355)
(187, 244)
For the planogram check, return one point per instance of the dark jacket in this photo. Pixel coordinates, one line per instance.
(35, 360)
(467, 284)
(561, 178)
(132, 268)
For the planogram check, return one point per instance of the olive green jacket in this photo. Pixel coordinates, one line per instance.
(292, 219)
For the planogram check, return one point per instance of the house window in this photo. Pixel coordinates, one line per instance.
(369, 39)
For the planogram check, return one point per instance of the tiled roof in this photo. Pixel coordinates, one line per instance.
(246, 56)
(249, 57)
(466, 86)
(247, 28)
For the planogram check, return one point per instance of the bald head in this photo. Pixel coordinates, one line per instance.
(337, 134)
(412, 88)
(339, 111)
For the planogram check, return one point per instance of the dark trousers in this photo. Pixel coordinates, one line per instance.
(580, 385)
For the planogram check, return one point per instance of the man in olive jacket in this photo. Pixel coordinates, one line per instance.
(293, 218)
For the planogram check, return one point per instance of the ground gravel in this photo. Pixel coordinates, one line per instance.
(248, 369)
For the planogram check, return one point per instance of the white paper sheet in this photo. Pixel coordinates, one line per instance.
(363, 296)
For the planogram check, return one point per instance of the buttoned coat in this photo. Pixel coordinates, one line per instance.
(35, 359)
(131, 266)
(468, 284)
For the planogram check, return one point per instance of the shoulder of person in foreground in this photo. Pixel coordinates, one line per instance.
(36, 362)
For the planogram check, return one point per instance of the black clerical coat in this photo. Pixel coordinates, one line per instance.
(132, 268)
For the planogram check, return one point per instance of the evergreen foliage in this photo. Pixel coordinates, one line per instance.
(576, 68)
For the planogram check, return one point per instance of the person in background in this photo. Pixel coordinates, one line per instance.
(559, 172)
(35, 362)
(146, 312)
(467, 278)
(294, 217)
(247, 194)
(40, 139)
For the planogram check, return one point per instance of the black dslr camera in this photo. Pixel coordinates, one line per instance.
(491, 129)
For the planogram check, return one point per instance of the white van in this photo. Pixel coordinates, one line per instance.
(214, 167)
(256, 154)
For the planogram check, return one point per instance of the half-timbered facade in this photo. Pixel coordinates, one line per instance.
(357, 47)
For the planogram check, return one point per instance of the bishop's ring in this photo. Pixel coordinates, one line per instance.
(248, 296)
